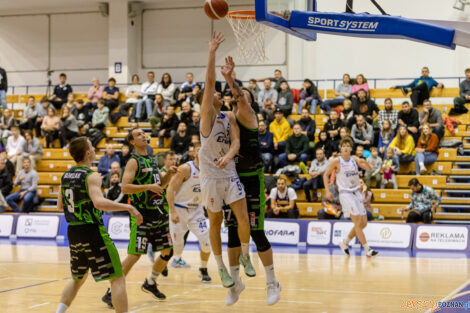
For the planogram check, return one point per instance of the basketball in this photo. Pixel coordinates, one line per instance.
(216, 9)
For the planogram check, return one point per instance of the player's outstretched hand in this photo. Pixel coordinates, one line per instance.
(222, 162)
(156, 188)
(227, 69)
(133, 211)
(173, 170)
(216, 40)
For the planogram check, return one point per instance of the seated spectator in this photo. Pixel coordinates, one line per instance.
(114, 192)
(281, 130)
(388, 113)
(324, 144)
(344, 132)
(50, 127)
(61, 92)
(375, 162)
(6, 183)
(285, 99)
(115, 169)
(158, 112)
(283, 201)
(368, 197)
(193, 99)
(95, 93)
(268, 110)
(147, 92)
(100, 116)
(403, 145)
(227, 87)
(227, 102)
(347, 114)
(360, 153)
(333, 126)
(70, 101)
(132, 96)
(364, 106)
(180, 140)
(424, 202)
(309, 97)
(420, 87)
(111, 95)
(68, 127)
(186, 114)
(166, 88)
(186, 94)
(332, 209)
(464, 96)
(362, 133)
(189, 81)
(27, 178)
(409, 118)
(253, 87)
(385, 136)
(266, 145)
(14, 147)
(31, 149)
(107, 159)
(41, 113)
(342, 92)
(427, 150)
(360, 83)
(308, 126)
(30, 115)
(169, 125)
(316, 171)
(169, 160)
(277, 79)
(6, 122)
(267, 93)
(433, 117)
(296, 148)
(125, 154)
(193, 126)
(80, 111)
(390, 168)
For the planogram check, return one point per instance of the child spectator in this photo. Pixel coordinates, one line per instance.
(367, 197)
(427, 150)
(111, 95)
(375, 163)
(50, 127)
(385, 136)
(390, 168)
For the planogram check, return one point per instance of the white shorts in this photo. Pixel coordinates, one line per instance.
(217, 191)
(192, 220)
(352, 203)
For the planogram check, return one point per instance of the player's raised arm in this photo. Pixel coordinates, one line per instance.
(234, 143)
(244, 108)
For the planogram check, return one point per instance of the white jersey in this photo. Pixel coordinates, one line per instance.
(214, 146)
(347, 178)
(189, 194)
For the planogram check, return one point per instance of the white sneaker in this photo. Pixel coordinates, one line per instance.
(344, 246)
(274, 293)
(234, 293)
(422, 168)
(372, 253)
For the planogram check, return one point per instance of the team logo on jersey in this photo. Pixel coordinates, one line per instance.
(222, 138)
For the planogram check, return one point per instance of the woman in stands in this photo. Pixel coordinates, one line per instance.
(167, 88)
(50, 127)
(403, 146)
(308, 96)
(342, 92)
(324, 144)
(68, 126)
(360, 83)
(385, 137)
(427, 150)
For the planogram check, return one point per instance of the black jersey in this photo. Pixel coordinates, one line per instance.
(248, 159)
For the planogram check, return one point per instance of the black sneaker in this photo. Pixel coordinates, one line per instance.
(371, 253)
(165, 272)
(205, 278)
(405, 91)
(146, 287)
(107, 299)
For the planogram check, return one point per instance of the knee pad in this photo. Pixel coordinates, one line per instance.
(167, 257)
(233, 240)
(260, 239)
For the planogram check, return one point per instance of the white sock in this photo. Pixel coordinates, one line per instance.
(421, 164)
(347, 240)
(203, 264)
(62, 308)
(245, 248)
(220, 261)
(152, 278)
(366, 246)
(270, 275)
(235, 273)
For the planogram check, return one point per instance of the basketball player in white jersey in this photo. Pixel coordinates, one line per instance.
(220, 142)
(186, 212)
(348, 182)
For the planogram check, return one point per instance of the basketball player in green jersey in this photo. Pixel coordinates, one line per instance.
(82, 201)
(251, 172)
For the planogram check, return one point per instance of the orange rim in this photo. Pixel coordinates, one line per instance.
(242, 15)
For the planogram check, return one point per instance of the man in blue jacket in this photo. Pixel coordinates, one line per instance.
(266, 145)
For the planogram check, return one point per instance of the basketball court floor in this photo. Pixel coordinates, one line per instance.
(33, 274)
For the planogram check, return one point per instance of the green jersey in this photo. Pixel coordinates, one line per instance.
(78, 207)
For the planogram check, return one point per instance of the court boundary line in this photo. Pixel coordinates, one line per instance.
(34, 285)
(450, 295)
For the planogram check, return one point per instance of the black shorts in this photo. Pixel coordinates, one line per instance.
(154, 230)
(91, 248)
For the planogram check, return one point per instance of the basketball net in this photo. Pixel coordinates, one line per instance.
(249, 35)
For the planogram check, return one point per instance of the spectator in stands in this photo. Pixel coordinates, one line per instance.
(308, 126)
(403, 145)
(360, 83)
(409, 118)
(433, 117)
(95, 93)
(342, 92)
(333, 127)
(362, 132)
(365, 106)
(80, 111)
(360, 153)
(331, 209)
(9, 166)
(375, 162)
(317, 168)
(61, 92)
(267, 93)
(6, 122)
(3, 88)
(427, 149)
(31, 149)
(277, 79)
(347, 114)
(169, 125)
(390, 168)
(309, 96)
(227, 102)
(114, 192)
(6, 183)
(189, 81)
(27, 178)
(158, 112)
(125, 154)
(193, 126)
(420, 92)
(368, 197)
(193, 99)
(227, 87)
(253, 87)
(107, 159)
(281, 130)
(180, 140)
(186, 113)
(385, 136)
(266, 145)
(70, 101)
(115, 168)
(283, 201)
(285, 99)
(324, 144)
(50, 127)
(147, 92)
(296, 148)
(111, 95)
(42, 112)
(68, 127)
(30, 114)
(185, 95)
(388, 113)
(166, 88)
(424, 202)
(169, 160)
(268, 110)
(132, 96)
(464, 95)
(100, 116)
(14, 147)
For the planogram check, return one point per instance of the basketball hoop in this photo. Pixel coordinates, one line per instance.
(249, 35)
